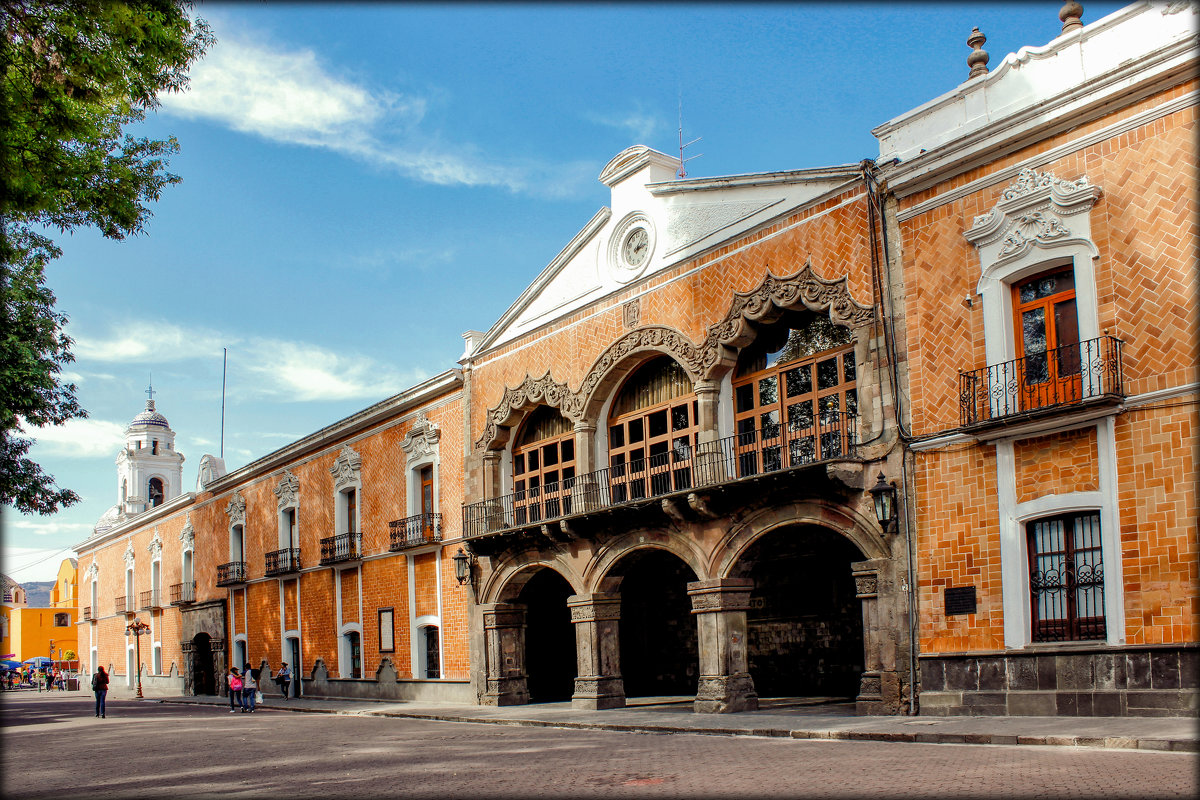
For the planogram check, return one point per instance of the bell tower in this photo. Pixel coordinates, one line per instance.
(149, 468)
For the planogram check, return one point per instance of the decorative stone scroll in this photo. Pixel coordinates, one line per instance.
(866, 584)
(421, 441)
(237, 509)
(696, 360)
(129, 556)
(1036, 210)
(347, 468)
(187, 536)
(805, 287)
(155, 546)
(531, 391)
(288, 490)
(92, 571)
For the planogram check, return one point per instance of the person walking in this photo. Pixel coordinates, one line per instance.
(235, 689)
(100, 687)
(283, 679)
(249, 688)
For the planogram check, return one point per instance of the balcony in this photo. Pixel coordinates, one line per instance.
(150, 601)
(1040, 384)
(120, 606)
(232, 573)
(87, 614)
(183, 594)
(340, 548)
(283, 562)
(745, 456)
(415, 531)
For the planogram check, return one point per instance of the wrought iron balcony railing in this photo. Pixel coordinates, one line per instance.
(415, 531)
(231, 573)
(150, 601)
(1066, 376)
(87, 614)
(119, 605)
(343, 547)
(282, 562)
(183, 594)
(745, 455)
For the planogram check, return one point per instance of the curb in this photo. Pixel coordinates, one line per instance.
(1093, 742)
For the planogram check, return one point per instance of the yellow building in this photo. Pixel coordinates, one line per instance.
(42, 631)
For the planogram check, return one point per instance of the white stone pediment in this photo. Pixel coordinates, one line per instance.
(655, 221)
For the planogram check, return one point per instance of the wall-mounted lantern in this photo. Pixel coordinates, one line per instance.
(883, 494)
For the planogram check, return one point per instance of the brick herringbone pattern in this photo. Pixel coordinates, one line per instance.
(1056, 464)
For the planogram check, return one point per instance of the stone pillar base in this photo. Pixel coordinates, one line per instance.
(506, 692)
(726, 694)
(595, 694)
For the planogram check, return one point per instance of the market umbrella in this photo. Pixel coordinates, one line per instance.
(38, 662)
(9, 663)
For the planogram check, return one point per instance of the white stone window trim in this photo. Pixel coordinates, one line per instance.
(347, 475)
(344, 626)
(131, 666)
(288, 494)
(344, 649)
(419, 659)
(421, 448)
(240, 638)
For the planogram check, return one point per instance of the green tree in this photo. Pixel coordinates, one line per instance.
(76, 73)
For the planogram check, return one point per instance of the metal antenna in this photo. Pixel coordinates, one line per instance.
(682, 173)
(150, 391)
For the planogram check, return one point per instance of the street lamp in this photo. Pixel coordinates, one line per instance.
(464, 569)
(137, 628)
(883, 494)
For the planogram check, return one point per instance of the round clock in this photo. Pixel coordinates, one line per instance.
(636, 247)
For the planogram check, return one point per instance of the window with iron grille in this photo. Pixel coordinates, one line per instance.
(1066, 577)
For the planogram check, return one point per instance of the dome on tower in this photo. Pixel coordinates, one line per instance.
(150, 418)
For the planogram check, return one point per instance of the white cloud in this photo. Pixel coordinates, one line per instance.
(290, 96)
(47, 527)
(77, 438)
(642, 127)
(142, 341)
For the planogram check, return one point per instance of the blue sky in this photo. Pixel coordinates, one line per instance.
(363, 183)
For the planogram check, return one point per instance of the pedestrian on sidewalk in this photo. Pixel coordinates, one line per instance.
(283, 679)
(235, 689)
(249, 688)
(100, 687)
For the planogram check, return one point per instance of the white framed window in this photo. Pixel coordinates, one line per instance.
(350, 651)
(347, 491)
(157, 660)
(427, 647)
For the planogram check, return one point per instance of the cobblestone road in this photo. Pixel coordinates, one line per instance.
(55, 748)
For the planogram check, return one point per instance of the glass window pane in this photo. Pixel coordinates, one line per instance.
(848, 373)
(616, 436)
(549, 455)
(681, 449)
(636, 431)
(657, 423)
(532, 459)
(769, 424)
(518, 463)
(828, 407)
(851, 401)
(1033, 330)
(827, 374)
(768, 391)
(800, 415)
(568, 449)
(799, 380)
(679, 418)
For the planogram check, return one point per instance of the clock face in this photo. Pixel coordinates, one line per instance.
(636, 247)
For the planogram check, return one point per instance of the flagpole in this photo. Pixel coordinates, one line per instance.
(224, 359)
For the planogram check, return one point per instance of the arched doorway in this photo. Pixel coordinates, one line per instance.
(204, 679)
(805, 622)
(550, 661)
(659, 650)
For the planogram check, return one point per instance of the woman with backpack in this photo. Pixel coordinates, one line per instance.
(235, 689)
(100, 687)
(249, 688)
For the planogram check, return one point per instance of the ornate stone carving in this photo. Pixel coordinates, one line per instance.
(1028, 181)
(531, 391)
(870, 686)
(696, 360)
(592, 612)
(92, 571)
(187, 536)
(288, 490)
(631, 312)
(155, 546)
(866, 585)
(237, 508)
(129, 556)
(347, 468)
(1034, 227)
(421, 441)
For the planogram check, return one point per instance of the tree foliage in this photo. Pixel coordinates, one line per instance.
(75, 75)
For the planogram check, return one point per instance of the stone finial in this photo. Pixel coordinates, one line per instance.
(1070, 14)
(978, 59)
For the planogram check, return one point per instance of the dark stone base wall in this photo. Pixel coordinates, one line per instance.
(1067, 681)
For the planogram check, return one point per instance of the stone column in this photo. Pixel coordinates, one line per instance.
(504, 645)
(720, 608)
(189, 667)
(866, 585)
(598, 651)
(585, 493)
(710, 466)
(493, 515)
(220, 667)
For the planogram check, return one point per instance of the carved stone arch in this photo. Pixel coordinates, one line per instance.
(854, 526)
(520, 399)
(599, 576)
(508, 577)
(805, 289)
(626, 353)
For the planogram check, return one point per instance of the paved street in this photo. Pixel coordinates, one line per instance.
(54, 748)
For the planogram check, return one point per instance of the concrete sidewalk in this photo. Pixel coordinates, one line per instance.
(794, 720)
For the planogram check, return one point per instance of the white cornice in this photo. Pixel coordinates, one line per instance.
(564, 257)
(394, 405)
(845, 172)
(155, 514)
